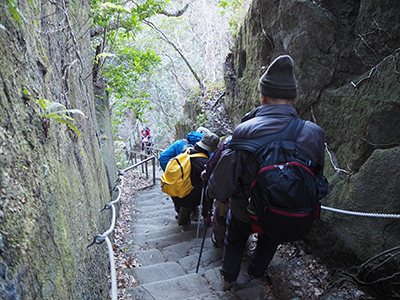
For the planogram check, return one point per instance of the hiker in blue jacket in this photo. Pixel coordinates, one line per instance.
(177, 147)
(187, 204)
(231, 177)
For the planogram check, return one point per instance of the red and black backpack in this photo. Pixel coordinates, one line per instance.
(285, 193)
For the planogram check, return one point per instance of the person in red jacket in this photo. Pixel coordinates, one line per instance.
(145, 137)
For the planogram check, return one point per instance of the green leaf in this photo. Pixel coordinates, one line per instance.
(26, 92)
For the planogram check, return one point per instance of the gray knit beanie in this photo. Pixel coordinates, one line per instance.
(278, 81)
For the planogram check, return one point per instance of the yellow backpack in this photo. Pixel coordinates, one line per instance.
(176, 179)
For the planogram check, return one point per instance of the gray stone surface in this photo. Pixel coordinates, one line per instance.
(168, 254)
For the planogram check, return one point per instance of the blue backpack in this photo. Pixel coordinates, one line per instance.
(285, 193)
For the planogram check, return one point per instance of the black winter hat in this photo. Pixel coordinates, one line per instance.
(278, 81)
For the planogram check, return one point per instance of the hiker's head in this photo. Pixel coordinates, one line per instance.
(278, 82)
(202, 130)
(209, 142)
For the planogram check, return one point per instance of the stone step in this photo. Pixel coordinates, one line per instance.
(169, 228)
(158, 272)
(158, 240)
(147, 257)
(219, 295)
(156, 203)
(150, 213)
(148, 195)
(173, 251)
(183, 287)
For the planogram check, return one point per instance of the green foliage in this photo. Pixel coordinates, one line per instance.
(237, 10)
(57, 112)
(123, 73)
(122, 65)
(104, 13)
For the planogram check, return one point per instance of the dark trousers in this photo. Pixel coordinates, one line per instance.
(235, 243)
(219, 221)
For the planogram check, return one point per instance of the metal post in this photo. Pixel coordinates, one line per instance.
(154, 171)
(147, 170)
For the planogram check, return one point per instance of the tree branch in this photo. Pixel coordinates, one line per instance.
(177, 13)
(100, 30)
(117, 24)
(174, 72)
(164, 38)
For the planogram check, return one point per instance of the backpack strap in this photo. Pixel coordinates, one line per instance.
(290, 132)
(188, 152)
(198, 154)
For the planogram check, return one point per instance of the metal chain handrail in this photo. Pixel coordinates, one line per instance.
(362, 214)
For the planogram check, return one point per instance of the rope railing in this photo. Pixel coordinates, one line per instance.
(361, 214)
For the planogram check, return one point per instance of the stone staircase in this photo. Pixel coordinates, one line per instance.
(169, 253)
(168, 256)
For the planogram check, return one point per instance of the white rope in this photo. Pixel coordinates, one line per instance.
(362, 214)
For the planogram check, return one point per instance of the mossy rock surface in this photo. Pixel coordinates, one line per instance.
(346, 68)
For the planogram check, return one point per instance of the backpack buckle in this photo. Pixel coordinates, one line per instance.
(281, 167)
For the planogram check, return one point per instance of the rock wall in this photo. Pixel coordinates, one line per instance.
(53, 181)
(346, 55)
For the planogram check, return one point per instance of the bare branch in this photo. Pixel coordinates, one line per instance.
(177, 13)
(164, 38)
(167, 115)
(174, 72)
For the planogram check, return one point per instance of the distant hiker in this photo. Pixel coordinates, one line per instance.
(177, 147)
(187, 204)
(146, 137)
(232, 178)
(146, 132)
(221, 208)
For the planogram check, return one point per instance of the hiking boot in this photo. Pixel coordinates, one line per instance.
(214, 241)
(226, 285)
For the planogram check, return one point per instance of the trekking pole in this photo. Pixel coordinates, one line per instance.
(204, 236)
(201, 208)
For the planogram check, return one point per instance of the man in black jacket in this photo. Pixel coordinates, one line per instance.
(231, 178)
(187, 204)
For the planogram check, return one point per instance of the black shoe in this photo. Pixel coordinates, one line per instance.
(214, 241)
(227, 285)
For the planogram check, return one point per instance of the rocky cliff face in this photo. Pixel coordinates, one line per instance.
(346, 55)
(53, 182)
